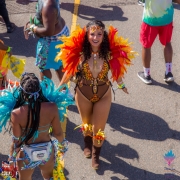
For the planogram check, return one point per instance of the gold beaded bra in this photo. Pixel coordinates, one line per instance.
(93, 88)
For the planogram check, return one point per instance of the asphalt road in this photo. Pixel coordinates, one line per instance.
(143, 125)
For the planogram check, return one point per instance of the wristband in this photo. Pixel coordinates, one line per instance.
(121, 86)
(8, 50)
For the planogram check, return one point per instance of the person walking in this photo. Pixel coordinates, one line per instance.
(157, 21)
(88, 55)
(4, 13)
(33, 108)
(49, 26)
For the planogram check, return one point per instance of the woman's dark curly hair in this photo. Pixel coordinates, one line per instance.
(104, 48)
(30, 84)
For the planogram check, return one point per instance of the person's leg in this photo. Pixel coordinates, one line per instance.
(46, 73)
(47, 169)
(24, 174)
(85, 108)
(146, 57)
(168, 53)
(165, 39)
(147, 36)
(59, 73)
(100, 115)
(5, 15)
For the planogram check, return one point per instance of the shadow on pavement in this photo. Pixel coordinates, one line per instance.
(118, 166)
(134, 123)
(176, 6)
(173, 86)
(140, 124)
(20, 45)
(113, 154)
(25, 2)
(104, 13)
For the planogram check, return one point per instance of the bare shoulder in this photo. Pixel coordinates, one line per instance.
(49, 106)
(19, 113)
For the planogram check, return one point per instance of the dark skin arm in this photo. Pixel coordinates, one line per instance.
(16, 130)
(56, 125)
(3, 47)
(49, 18)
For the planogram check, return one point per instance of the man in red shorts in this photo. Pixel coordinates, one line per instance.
(157, 21)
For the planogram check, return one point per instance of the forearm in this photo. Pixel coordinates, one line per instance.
(42, 31)
(59, 136)
(119, 81)
(65, 79)
(11, 149)
(121, 85)
(3, 47)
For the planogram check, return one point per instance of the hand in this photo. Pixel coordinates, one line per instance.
(125, 90)
(26, 32)
(10, 54)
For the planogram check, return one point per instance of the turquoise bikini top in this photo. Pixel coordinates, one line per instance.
(36, 134)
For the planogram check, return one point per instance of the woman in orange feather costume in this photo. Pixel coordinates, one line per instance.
(87, 56)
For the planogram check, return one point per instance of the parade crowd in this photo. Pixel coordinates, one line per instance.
(33, 108)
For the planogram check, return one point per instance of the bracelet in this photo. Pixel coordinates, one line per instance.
(34, 29)
(31, 28)
(12, 158)
(8, 50)
(121, 86)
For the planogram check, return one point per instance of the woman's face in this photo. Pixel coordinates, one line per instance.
(95, 36)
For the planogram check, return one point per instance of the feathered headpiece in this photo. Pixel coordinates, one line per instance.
(8, 99)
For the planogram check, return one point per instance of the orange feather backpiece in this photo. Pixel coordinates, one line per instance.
(2, 53)
(71, 51)
(121, 54)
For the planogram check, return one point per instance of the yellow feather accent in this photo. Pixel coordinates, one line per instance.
(16, 65)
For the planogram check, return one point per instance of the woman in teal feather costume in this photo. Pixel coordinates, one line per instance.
(32, 109)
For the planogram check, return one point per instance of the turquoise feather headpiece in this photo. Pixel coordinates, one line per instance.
(8, 100)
